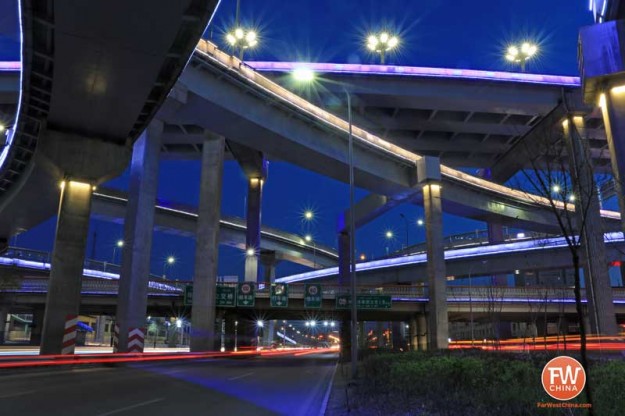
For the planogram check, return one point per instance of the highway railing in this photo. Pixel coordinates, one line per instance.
(469, 239)
(100, 287)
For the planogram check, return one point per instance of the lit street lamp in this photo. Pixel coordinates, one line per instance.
(389, 236)
(241, 38)
(118, 245)
(406, 223)
(169, 262)
(381, 44)
(307, 75)
(520, 55)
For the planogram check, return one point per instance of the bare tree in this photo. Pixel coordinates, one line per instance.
(561, 176)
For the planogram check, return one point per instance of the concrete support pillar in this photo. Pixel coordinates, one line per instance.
(398, 337)
(422, 332)
(379, 329)
(437, 303)
(344, 258)
(269, 261)
(599, 290)
(203, 335)
(252, 236)
(413, 334)
(138, 228)
(4, 314)
(612, 103)
(36, 329)
(100, 328)
(63, 298)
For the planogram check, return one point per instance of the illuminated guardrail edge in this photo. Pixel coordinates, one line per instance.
(416, 71)
(209, 51)
(504, 300)
(286, 237)
(37, 265)
(506, 248)
(10, 66)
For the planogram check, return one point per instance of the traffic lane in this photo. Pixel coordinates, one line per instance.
(117, 391)
(289, 385)
(261, 386)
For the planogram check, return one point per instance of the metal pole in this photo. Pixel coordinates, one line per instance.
(352, 245)
(406, 222)
(471, 309)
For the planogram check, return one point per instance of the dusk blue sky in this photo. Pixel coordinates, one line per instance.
(442, 33)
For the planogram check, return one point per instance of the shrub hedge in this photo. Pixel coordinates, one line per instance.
(474, 383)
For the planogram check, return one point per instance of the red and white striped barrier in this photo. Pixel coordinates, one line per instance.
(116, 338)
(135, 339)
(69, 335)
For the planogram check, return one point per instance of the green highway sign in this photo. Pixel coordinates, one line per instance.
(279, 295)
(312, 296)
(188, 295)
(226, 296)
(364, 301)
(246, 296)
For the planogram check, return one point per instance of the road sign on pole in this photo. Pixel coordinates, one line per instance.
(226, 296)
(188, 295)
(246, 296)
(312, 296)
(364, 301)
(279, 295)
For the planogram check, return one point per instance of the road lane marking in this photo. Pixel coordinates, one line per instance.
(241, 376)
(134, 406)
(21, 393)
(326, 398)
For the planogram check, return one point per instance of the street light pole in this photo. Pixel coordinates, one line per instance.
(406, 222)
(352, 244)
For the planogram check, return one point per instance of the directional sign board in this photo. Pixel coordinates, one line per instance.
(364, 302)
(246, 296)
(279, 295)
(312, 296)
(226, 296)
(188, 295)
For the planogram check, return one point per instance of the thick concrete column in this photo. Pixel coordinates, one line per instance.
(4, 314)
(422, 332)
(269, 261)
(599, 290)
(362, 335)
(63, 298)
(379, 329)
(428, 173)
(203, 335)
(612, 103)
(37, 326)
(138, 227)
(413, 334)
(252, 236)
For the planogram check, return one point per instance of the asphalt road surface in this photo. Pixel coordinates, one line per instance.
(269, 385)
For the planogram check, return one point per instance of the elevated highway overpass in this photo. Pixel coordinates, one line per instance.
(219, 93)
(491, 259)
(179, 219)
(99, 296)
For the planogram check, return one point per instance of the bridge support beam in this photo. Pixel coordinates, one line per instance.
(138, 228)
(203, 335)
(269, 261)
(36, 328)
(4, 314)
(597, 278)
(63, 298)
(428, 170)
(422, 332)
(253, 221)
